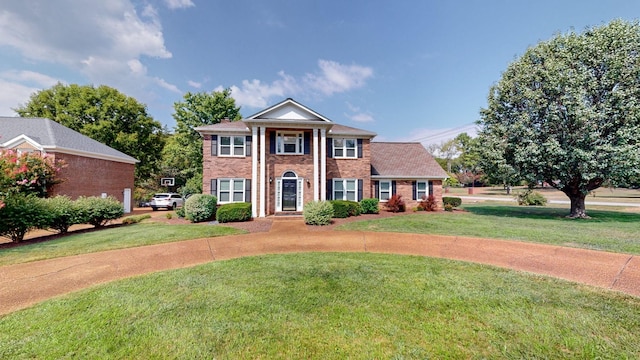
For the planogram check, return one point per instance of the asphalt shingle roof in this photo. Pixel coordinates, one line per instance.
(398, 159)
(55, 137)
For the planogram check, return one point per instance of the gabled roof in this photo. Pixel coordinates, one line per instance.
(288, 109)
(402, 160)
(49, 136)
(224, 127)
(341, 130)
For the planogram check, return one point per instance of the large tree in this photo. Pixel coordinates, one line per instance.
(568, 113)
(183, 153)
(103, 114)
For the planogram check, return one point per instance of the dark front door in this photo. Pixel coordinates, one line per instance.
(289, 195)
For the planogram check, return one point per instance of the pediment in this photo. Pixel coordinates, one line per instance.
(289, 110)
(20, 142)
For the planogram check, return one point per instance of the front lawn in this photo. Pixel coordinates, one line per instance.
(606, 230)
(110, 239)
(329, 306)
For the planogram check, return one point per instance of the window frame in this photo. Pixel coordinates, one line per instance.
(298, 142)
(344, 148)
(232, 190)
(424, 192)
(232, 145)
(389, 191)
(345, 189)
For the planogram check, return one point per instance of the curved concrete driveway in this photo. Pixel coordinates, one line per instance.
(23, 285)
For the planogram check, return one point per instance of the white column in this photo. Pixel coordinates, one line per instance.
(323, 164)
(254, 172)
(263, 177)
(316, 189)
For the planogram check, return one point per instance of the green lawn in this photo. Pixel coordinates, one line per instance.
(110, 239)
(329, 306)
(606, 230)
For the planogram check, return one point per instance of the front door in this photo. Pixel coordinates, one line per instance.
(289, 192)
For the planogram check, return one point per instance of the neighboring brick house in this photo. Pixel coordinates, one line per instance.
(287, 155)
(91, 168)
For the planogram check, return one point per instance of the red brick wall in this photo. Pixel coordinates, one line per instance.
(359, 168)
(83, 176)
(405, 188)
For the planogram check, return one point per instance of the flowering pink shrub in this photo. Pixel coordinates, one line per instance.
(27, 173)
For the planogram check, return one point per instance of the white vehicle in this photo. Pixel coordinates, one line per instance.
(169, 201)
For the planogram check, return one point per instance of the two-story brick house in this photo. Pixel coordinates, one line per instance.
(287, 155)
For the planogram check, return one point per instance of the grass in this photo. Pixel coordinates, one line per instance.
(606, 230)
(110, 239)
(329, 306)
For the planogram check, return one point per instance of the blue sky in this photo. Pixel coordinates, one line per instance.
(408, 70)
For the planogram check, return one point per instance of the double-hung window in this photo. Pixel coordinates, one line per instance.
(421, 190)
(290, 143)
(345, 189)
(231, 190)
(232, 145)
(385, 190)
(345, 148)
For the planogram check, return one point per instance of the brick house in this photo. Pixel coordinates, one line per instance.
(91, 168)
(287, 155)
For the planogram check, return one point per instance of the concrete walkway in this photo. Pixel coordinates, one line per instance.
(23, 285)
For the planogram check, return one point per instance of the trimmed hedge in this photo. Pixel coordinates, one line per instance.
(344, 208)
(370, 206)
(64, 212)
(234, 212)
(98, 211)
(453, 201)
(200, 207)
(21, 214)
(318, 213)
(531, 198)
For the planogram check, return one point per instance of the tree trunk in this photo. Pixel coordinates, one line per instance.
(578, 210)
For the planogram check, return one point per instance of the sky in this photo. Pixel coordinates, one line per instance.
(407, 70)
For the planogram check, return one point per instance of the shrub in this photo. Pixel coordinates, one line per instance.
(136, 219)
(234, 212)
(64, 212)
(531, 198)
(453, 201)
(396, 204)
(200, 207)
(180, 212)
(318, 213)
(369, 206)
(343, 208)
(22, 213)
(448, 207)
(428, 203)
(98, 211)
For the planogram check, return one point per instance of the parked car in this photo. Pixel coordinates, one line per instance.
(169, 201)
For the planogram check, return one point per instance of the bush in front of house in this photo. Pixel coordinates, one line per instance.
(453, 201)
(22, 213)
(200, 207)
(318, 213)
(64, 212)
(344, 208)
(98, 211)
(369, 206)
(234, 212)
(428, 203)
(531, 198)
(136, 219)
(396, 204)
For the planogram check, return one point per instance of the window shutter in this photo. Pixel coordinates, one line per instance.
(214, 145)
(360, 148)
(415, 190)
(393, 187)
(247, 190)
(247, 149)
(430, 187)
(376, 189)
(214, 187)
(360, 186)
(329, 189)
(329, 147)
(272, 142)
(307, 143)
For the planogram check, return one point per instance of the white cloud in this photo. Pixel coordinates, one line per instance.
(179, 4)
(332, 78)
(194, 84)
(17, 86)
(357, 115)
(106, 41)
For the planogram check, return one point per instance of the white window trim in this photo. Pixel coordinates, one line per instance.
(232, 145)
(231, 190)
(299, 142)
(390, 191)
(344, 148)
(345, 191)
(426, 189)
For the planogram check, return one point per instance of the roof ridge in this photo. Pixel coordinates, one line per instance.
(49, 128)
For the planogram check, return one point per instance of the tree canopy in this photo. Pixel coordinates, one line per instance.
(568, 113)
(183, 153)
(103, 114)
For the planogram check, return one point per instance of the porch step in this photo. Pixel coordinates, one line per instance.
(288, 214)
